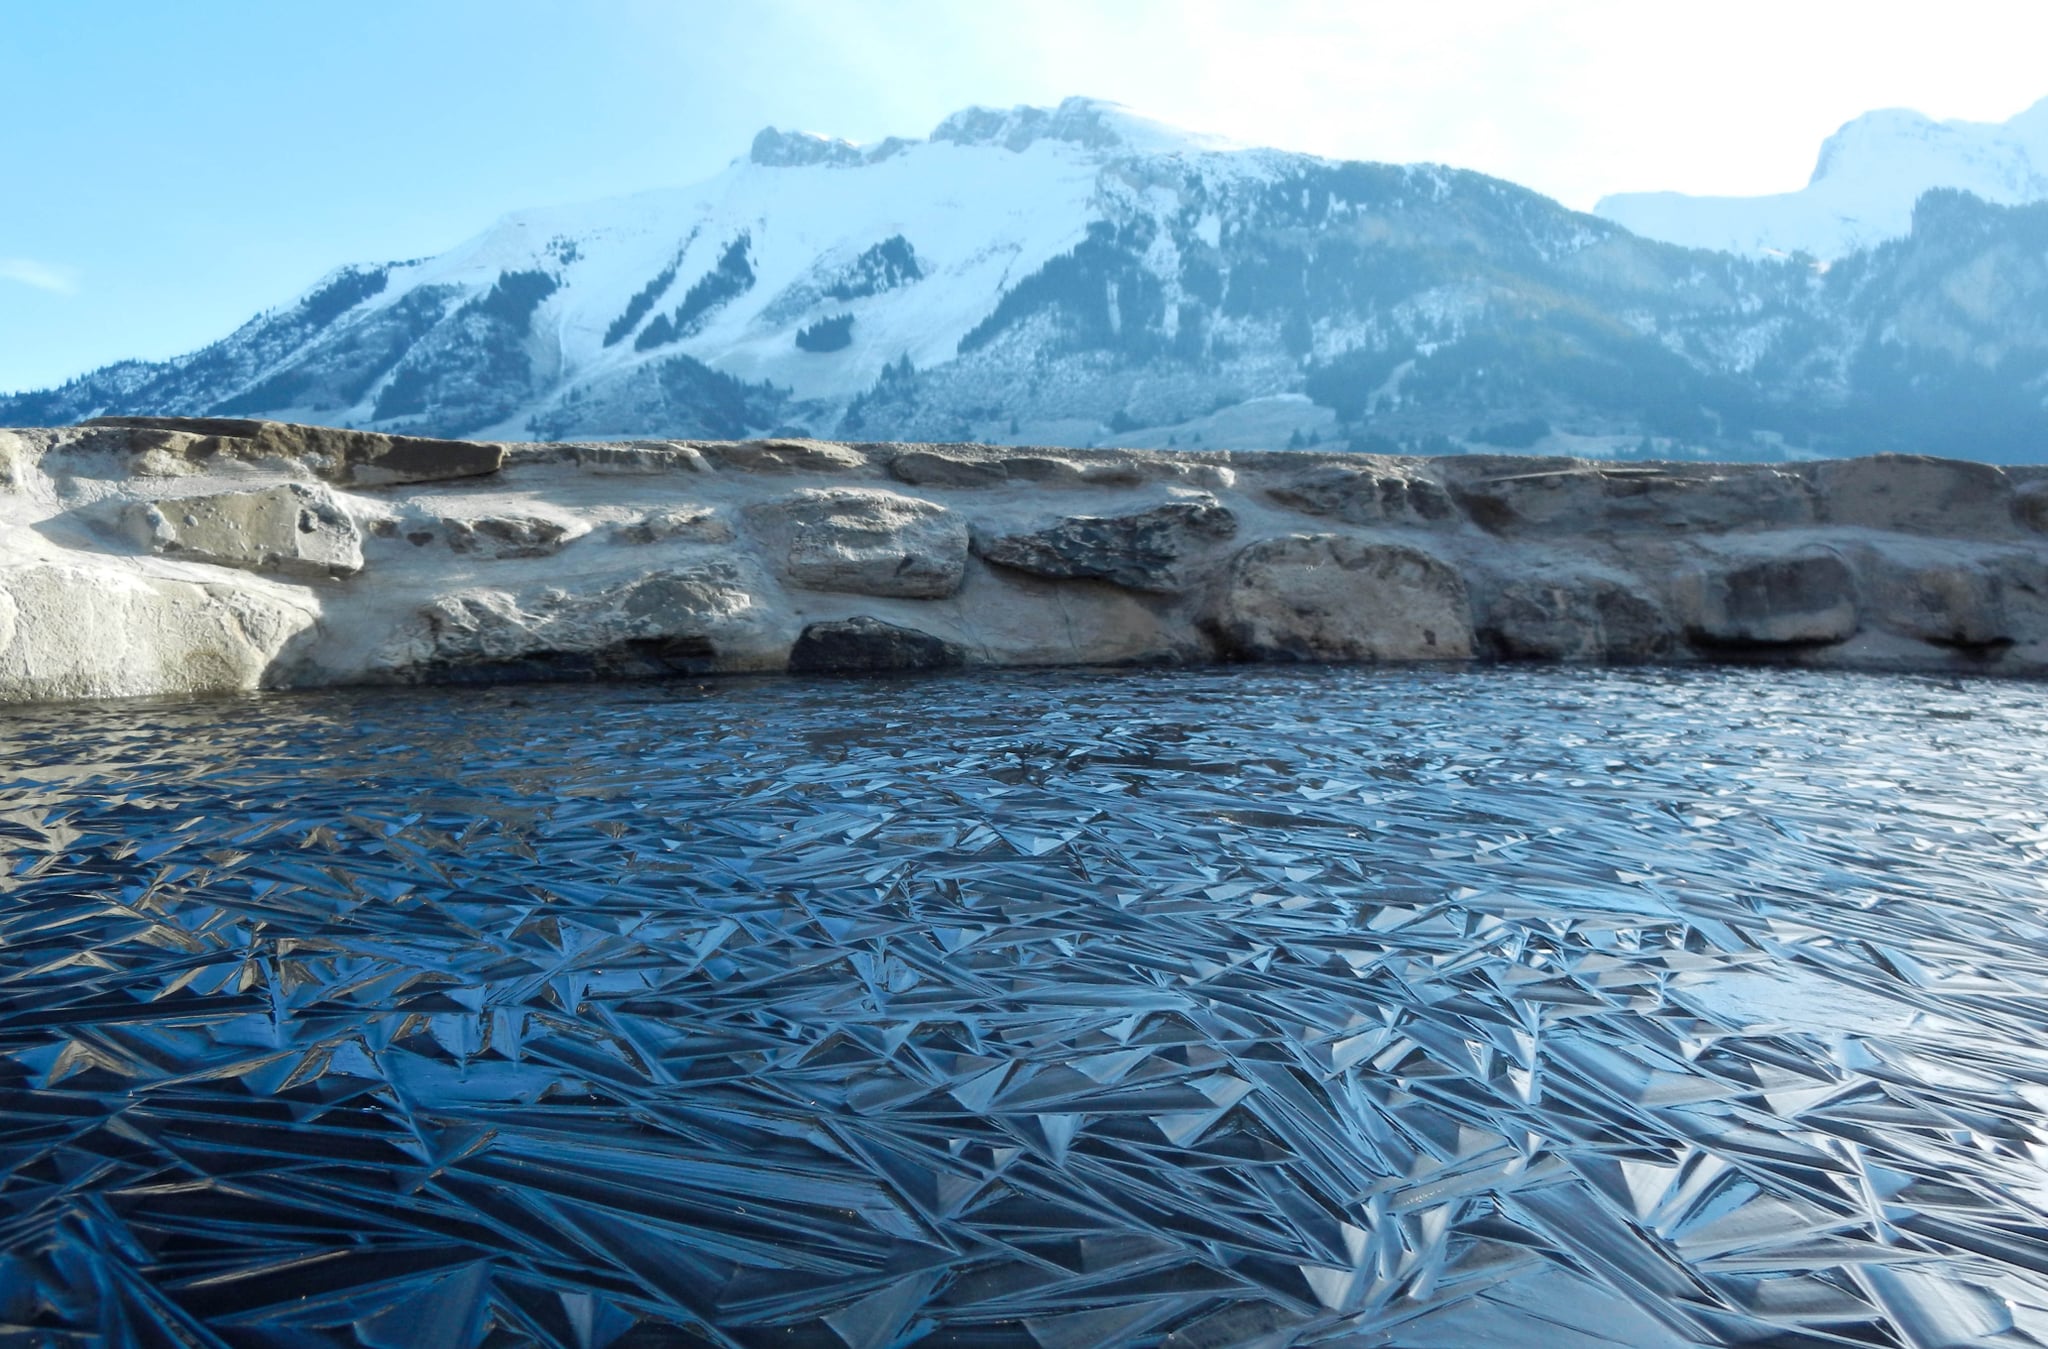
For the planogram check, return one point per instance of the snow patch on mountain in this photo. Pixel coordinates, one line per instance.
(1869, 175)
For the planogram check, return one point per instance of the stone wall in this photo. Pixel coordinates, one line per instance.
(146, 556)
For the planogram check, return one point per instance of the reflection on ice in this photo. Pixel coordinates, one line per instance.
(1777, 999)
(1194, 1009)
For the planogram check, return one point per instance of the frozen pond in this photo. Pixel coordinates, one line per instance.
(1195, 1008)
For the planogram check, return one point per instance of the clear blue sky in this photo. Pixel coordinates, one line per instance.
(172, 166)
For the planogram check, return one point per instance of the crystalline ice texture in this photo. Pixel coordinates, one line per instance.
(1205, 1008)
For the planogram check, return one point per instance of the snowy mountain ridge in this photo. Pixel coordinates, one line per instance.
(1082, 275)
(1868, 176)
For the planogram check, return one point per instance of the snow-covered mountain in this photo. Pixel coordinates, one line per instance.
(810, 265)
(1863, 188)
(1083, 276)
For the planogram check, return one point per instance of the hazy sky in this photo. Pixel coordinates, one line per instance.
(169, 168)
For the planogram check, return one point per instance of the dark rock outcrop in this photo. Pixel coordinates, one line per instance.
(1361, 496)
(1141, 551)
(866, 645)
(936, 468)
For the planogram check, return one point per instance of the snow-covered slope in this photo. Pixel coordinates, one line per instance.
(800, 241)
(1870, 174)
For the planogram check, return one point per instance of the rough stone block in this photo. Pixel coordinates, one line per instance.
(936, 468)
(686, 524)
(1363, 496)
(1802, 598)
(1953, 602)
(865, 541)
(1327, 597)
(98, 630)
(1916, 495)
(1578, 618)
(1051, 470)
(637, 459)
(505, 536)
(2030, 507)
(673, 622)
(1139, 551)
(291, 530)
(1522, 496)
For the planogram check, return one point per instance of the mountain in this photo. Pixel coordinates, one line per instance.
(1870, 174)
(1083, 276)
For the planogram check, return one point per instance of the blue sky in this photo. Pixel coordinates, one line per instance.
(171, 168)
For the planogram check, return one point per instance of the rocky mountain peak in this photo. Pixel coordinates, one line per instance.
(1091, 123)
(777, 149)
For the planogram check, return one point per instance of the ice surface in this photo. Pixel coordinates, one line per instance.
(1193, 1008)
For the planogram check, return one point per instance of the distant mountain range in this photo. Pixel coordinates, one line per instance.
(1082, 276)
(1863, 190)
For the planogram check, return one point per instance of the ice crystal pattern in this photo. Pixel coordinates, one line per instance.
(1191, 1009)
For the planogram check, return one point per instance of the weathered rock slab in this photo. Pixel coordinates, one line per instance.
(787, 456)
(1052, 470)
(100, 631)
(865, 541)
(1330, 597)
(2030, 507)
(510, 535)
(1949, 602)
(936, 468)
(1365, 496)
(865, 645)
(1917, 495)
(680, 621)
(1582, 618)
(1140, 551)
(1801, 598)
(292, 529)
(987, 466)
(636, 459)
(14, 455)
(1506, 497)
(684, 524)
(345, 457)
